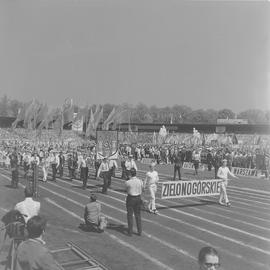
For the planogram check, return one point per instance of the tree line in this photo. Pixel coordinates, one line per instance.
(141, 113)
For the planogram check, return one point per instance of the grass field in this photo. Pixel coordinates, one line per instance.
(170, 240)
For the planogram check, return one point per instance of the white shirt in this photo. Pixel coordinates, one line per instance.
(130, 164)
(151, 178)
(28, 208)
(112, 163)
(134, 186)
(36, 159)
(223, 173)
(104, 167)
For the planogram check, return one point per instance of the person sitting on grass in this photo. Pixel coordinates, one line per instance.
(92, 214)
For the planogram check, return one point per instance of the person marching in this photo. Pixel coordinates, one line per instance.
(112, 167)
(71, 166)
(129, 164)
(134, 188)
(45, 166)
(61, 164)
(83, 170)
(55, 163)
(196, 161)
(104, 171)
(150, 184)
(177, 165)
(223, 173)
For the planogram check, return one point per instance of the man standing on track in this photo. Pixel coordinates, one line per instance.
(82, 165)
(104, 171)
(129, 164)
(112, 167)
(54, 162)
(150, 184)
(177, 164)
(223, 173)
(134, 188)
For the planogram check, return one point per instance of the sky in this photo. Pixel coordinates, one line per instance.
(195, 53)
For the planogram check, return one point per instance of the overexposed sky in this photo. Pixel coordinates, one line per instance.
(199, 54)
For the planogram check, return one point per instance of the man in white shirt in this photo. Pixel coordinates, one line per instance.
(28, 208)
(129, 164)
(150, 184)
(55, 163)
(112, 167)
(104, 171)
(134, 188)
(223, 173)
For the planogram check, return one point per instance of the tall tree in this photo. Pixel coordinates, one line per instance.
(226, 113)
(254, 116)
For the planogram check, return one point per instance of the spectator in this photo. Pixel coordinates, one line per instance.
(33, 254)
(208, 259)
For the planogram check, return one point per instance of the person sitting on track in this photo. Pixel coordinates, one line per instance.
(208, 259)
(32, 253)
(92, 214)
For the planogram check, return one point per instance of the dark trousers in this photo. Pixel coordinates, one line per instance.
(176, 170)
(84, 175)
(111, 174)
(128, 174)
(216, 170)
(54, 171)
(71, 173)
(14, 178)
(105, 176)
(133, 204)
(61, 171)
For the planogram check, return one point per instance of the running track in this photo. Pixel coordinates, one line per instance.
(170, 240)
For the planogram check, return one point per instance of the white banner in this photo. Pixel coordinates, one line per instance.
(190, 166)
(147, 160)
(245, 172)
(194, 188)
(78, 125)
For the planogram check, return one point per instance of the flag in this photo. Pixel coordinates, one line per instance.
(234, 139)
(67, 111)
(20, 115)
(97, 117)
(109, 120)
(90, 127)
(29, 113)
(203, 140)
(120, 117)
(258, 140)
